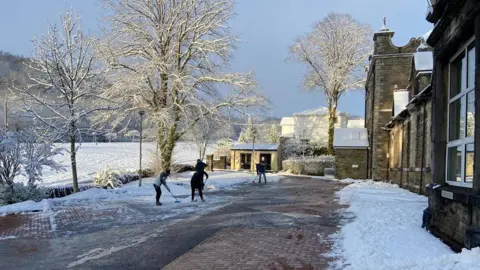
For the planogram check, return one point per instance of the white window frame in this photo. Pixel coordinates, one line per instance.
(465, 140)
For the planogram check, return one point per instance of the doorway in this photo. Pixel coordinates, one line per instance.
(246, 161)
(267, 159)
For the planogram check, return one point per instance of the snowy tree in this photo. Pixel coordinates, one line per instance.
(132, 134)
(111, 136)
(169, 59)
(250, 131)
(335, 52)
(10, 158)
(24, 152)
(65, 66)
(273, 134)
(242, 138)
(206, 132)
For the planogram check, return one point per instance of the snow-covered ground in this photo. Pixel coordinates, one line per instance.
(179, 185)
(386, 232)
(92, 158)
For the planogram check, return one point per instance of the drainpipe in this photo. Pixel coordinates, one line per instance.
(373, 127)
(388, 157)
(423, 147)
(401, 154)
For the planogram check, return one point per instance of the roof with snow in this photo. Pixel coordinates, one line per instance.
(350, 138)
(258, 147)
(317, 111)
(287, 121)
(426, 35)
(423, 61)
(355, 117)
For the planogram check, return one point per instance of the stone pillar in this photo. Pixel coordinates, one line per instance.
(210, 163)
(439, 123)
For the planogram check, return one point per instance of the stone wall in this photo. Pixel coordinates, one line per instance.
(219, 163)
(351, 163)
(308, 166)
(410, 150)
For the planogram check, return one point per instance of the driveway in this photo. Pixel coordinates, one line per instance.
(284, 225)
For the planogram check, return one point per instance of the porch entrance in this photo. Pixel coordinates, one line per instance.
(246, 161)
(267, 159)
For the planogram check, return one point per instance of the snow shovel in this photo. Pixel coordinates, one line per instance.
(176, 200)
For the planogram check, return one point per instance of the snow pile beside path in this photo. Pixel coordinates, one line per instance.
(386, 232)
(26, 206)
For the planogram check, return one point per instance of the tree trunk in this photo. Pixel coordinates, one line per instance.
(332, 109)
(166, 144)
(73, 159)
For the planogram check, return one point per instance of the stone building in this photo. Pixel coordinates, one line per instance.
(409, 145)
(244, 156)
(390, 66)
(454, 201)
(351, 146)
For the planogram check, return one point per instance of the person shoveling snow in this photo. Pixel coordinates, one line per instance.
(159, 181)
(197, 183)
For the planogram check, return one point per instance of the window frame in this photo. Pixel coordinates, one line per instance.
(465, 140)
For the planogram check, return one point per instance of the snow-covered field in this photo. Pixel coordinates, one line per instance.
(92, 158)
(386, 232)
(179, 185)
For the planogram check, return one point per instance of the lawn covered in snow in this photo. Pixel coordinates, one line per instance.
(386, 232)
(93, 158)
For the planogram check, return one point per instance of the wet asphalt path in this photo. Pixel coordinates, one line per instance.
(293, 202)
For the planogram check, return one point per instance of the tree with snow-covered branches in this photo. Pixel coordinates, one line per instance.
(24, 152)
(242, 138)
(70, 79)
(206, 132)
(335, 53)
(111, 136)
(132, 134)
(250, 131)
(169, 58)
(273, 134)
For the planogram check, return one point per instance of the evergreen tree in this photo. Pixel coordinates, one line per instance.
(273, 135)
(242, 137)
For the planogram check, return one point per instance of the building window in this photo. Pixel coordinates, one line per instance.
(461, 117)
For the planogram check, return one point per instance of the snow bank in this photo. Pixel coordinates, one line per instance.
(386, 232)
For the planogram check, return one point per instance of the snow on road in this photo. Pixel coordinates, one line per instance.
(386, 232)
(179, 185)
(92, 158)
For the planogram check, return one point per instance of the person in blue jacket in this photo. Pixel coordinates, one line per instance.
(159, 181)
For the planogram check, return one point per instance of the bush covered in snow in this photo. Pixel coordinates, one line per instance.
(18, 192)
(309, 165)
(298, 149)
(114, 179)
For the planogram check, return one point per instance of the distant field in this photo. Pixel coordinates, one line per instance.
(92, 158)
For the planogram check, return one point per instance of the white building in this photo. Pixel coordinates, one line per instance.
(312, 125)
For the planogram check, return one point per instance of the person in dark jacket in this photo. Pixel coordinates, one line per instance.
(197, 183)
(261, 167)
(159, 181)
(200, 170)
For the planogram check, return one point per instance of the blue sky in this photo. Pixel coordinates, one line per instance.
(266, 29)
